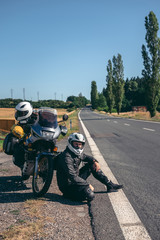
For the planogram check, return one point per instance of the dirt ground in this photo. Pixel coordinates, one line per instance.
(50, 217)
(139, 115)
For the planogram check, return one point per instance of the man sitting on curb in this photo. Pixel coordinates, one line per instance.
(72, 180)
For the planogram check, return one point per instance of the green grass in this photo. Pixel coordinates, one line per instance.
(4, 170)
(75, 124)
(2, 136)
(1, 145)
(15, 212)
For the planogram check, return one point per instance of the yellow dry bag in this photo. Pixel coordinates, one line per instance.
(18, 131)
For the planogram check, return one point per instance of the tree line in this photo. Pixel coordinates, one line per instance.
(122, 95)
(71, 103)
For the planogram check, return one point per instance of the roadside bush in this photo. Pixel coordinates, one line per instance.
(105, 109)
(99, 109)
(114, 110)
(158, 108)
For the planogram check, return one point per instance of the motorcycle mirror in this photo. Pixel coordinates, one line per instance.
(65, 117)
(64, 130)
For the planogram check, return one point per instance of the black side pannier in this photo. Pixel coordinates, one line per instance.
(18, 155)
(9, 143)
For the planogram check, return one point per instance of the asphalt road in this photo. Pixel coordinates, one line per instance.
(131, 149)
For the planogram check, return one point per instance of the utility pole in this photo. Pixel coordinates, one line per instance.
(55, 95)
(11, 93)
(38, 96)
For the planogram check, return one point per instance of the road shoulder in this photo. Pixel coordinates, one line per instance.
(50, 217)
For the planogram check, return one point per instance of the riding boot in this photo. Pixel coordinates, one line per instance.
(99, 175)
(113, 186)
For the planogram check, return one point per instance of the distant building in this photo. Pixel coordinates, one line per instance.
(139, 109)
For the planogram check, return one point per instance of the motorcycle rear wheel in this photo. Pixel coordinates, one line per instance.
(42, 180)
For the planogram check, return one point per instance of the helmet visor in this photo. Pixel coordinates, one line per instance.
(20, 113)
(77, 145)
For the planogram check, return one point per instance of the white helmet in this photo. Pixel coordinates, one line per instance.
(76, 137)
(23, 111)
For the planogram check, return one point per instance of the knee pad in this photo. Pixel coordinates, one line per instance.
(89, 194)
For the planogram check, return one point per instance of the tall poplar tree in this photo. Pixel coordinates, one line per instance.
(118, 79)
(94, 94)
(109, 90)
(151, 62)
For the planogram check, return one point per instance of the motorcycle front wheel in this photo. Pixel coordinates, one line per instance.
(43, 177)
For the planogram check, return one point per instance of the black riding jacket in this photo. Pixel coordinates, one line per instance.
(68, 169)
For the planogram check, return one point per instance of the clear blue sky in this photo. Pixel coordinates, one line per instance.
(57, 47)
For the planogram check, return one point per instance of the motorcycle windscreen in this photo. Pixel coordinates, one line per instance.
(47, 119)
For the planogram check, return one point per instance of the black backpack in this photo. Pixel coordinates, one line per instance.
(9, 143)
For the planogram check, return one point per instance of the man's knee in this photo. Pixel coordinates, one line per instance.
(89, 194)
(79, 193)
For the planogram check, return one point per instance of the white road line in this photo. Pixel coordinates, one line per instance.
(115, 121)
(126, 124)
(131, 226)
(149, 129)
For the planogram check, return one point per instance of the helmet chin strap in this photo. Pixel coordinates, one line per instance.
(23, 121)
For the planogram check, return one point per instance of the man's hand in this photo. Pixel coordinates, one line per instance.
(91, 187)
(96, 166)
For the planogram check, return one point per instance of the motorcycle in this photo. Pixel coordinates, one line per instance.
(40, 150)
